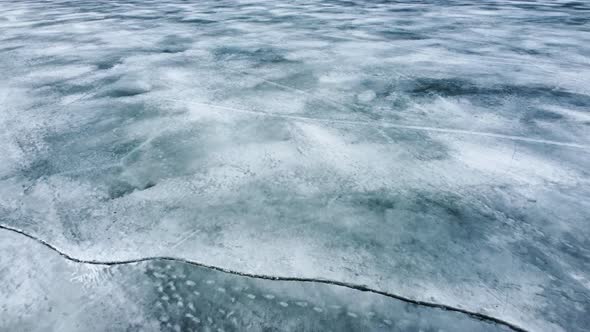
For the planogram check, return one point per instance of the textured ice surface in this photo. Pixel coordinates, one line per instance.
(438, 149)
(59, 295)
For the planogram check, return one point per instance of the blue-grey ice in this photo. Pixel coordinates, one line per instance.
(437, 150)
(57, 295)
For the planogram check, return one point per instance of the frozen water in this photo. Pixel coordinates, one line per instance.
(438, 150)
(58, 295)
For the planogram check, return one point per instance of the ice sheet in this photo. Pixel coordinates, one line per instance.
(437, 150)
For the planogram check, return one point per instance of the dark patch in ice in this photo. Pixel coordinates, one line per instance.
(448, 204)
(38, 168)
(463, 87)
(305, 80)
(70, 87)
(197, 21)
(94, 142)
(125, 88)
(377, 202)
(445, 87)
(260, 56)
(108, 62)
(174, 44)
(401, 35)
(118, 188)
(577, 5)
(10, 48)
(541, 115)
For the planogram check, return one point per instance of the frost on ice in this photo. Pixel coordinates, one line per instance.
(435, 150)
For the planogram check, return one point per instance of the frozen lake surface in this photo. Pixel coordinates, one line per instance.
(398, 165)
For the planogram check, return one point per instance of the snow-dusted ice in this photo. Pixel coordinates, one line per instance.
(435, 150)
(161, 295)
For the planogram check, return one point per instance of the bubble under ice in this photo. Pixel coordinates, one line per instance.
(438, 150)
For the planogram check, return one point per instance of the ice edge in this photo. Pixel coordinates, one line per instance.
(363, 288)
